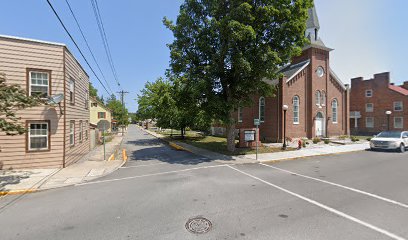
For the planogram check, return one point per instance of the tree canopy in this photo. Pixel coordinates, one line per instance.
(12, 99)
(119, 112)
(225, 49)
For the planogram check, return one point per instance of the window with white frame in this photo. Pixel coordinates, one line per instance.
(334, 110)
(369, 107)
(72, 91)
(296, 103)
(261, 109)
(398, 106)
(86, 129)
(318, 98)
(240, 116)
(323, 99)
(72, 133)
(369, 122)
(38, 135)
(398, 122)
(39, 84)
(369, 93)
(81, 130)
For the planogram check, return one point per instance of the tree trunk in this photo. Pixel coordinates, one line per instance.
(182, 133)
(231, 137)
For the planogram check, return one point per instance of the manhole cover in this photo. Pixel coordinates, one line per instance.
(198, 225)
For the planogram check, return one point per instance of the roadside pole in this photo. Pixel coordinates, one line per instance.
(256, 123)
(104, 149)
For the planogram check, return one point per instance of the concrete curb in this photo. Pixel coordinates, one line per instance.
(300, 157)
(172, 144)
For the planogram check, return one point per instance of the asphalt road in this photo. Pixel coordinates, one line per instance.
(361, 195)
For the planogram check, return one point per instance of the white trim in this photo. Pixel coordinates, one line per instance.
(402, 122)
(365, 92)
(402, 106)
(298, 71)
(337, 79)
(372, 108)
(335, 121)
(239, 114)
(73, 133)
(29, 136)
(39, 85)
(32, 40)
(298, 111)
(366, 125)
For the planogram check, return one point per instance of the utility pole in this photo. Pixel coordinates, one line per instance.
(122, 93)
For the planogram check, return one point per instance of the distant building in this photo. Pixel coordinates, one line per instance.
(57, 136)
(98, 112)
(371, 99)
(317, 100)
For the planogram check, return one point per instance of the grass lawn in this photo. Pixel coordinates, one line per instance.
(215, 144)
(219, 145)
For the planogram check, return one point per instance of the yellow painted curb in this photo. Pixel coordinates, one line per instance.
(177, 147)
(112, 157)
(17, 192)
(124, 155)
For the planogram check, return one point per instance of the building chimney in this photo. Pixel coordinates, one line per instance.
(405, 85)
(383, 77)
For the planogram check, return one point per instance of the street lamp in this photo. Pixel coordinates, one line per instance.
(388, 119)
(285, 108)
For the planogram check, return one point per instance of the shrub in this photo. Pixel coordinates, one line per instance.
(316, 140)
(326, 141)
(343, 137)
(304, 143)
(368, 139)
(354, 139)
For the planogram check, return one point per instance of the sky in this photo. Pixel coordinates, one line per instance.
(369, 36)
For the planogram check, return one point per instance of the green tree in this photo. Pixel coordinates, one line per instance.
(12, 99)
(93, 92)
(119, 112)
(172, 104)
(227, 48)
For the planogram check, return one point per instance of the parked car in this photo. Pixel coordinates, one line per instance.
(390, 140)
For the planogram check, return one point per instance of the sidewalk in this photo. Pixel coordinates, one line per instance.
(89, 167)
(266, 157)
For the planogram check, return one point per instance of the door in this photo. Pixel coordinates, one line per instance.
(319, 125)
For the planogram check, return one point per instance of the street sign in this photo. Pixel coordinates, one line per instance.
(249, 135)
(257, 122)
(103, 125)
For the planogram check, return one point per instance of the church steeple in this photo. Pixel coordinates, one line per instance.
(312, 25)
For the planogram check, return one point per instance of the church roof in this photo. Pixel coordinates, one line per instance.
(398, 89)
(292, 70)
(313, 20)
(334, 75)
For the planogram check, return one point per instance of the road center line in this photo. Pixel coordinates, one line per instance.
(332, 210)
(341, 186)
(149, 175)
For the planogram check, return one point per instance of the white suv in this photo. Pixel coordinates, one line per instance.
(390, 140)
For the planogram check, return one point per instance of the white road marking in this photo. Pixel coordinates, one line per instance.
(332, 210)
(341, 186)
(149, 175)
(145, 165)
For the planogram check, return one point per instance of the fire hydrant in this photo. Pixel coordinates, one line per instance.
(299, 144)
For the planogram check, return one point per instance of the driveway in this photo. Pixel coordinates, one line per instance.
(361, 195)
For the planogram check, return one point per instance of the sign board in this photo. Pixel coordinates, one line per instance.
(103, 125)
(257, 122)
(249, 135)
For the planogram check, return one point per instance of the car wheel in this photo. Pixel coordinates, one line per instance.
(373, 149)
(402, 148)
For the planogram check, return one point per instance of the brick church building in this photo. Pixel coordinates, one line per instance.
(317, 100)
(371, 100)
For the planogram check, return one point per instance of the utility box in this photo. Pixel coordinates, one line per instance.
(248, 138)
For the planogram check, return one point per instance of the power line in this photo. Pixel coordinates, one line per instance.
(76, 45)
(122, 93)
(87, 44)
(102, 32)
